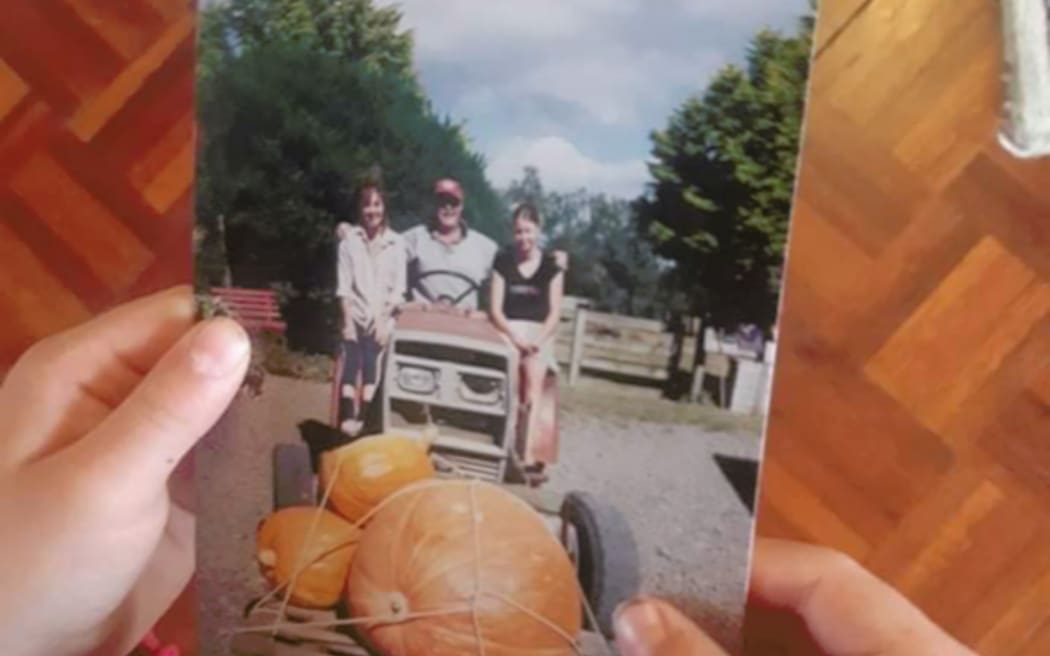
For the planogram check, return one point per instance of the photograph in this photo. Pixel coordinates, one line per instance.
(504, 328)
(512, 274)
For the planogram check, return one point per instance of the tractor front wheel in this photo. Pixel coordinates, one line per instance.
(601, 544)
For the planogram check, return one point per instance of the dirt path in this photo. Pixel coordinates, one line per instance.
(692, 530)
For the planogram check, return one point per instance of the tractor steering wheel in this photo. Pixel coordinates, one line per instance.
(472, 286)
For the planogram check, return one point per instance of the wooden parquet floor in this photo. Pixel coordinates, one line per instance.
(911, 415)
(96, 169)
(96, 158)
(910, 423)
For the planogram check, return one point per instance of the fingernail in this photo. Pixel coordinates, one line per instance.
(639, 627)
(218, 348)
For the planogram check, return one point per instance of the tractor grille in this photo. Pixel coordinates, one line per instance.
(472, 467)
(483, 429)
(448, 353)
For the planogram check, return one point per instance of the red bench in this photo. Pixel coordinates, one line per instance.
(256, 309)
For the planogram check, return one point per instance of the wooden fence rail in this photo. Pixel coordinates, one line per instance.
(648, 351)
(620, 345)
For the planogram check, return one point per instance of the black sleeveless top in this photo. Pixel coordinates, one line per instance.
(526, 299)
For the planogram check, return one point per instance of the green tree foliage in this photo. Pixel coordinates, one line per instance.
(723, 176)
(352, 29)
(293, 116)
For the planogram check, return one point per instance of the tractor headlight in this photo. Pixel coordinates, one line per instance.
(417, 380)
(481, 389)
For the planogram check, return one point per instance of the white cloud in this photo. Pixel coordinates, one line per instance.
(450, 28)
(563, 167)
(750, 13)
(580, 53)
(613, 83)
(536, 79)
(609, 85)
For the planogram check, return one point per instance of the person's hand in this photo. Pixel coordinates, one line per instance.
(519, 341)
(382, 335)
(845, 608)
(523, 345)
(349, 332)
(96, 546)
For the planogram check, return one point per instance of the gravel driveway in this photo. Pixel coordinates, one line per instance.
(692, 530)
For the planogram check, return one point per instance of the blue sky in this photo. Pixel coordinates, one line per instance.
(574, 87)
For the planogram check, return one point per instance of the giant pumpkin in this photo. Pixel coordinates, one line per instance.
(370, 469)
(281, 548)
(433, 546)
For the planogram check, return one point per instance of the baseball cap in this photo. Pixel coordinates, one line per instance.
(450, 187)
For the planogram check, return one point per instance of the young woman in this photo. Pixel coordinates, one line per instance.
(371, 284)
(527, 288)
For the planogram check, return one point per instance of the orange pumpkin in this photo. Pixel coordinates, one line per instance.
(281, 548)
(418, 566)
(370, 469)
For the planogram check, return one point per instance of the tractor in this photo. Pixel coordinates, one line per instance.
(447, 370)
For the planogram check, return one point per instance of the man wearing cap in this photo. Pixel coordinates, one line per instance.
(448, 262)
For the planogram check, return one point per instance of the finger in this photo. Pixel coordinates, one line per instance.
(846, 609)
(63, 386)
(649, 627)
(142, 441)
(138, 333)
(167, 574)
(109, 356)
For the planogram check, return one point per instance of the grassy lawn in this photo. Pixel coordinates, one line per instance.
(591, 396)
(630, 403)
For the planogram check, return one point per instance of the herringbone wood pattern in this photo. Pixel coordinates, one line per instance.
(911, 414)
(910, 417)
(96, 158)
(96, 169)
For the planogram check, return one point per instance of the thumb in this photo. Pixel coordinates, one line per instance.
(649, 627)
(179, 400)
